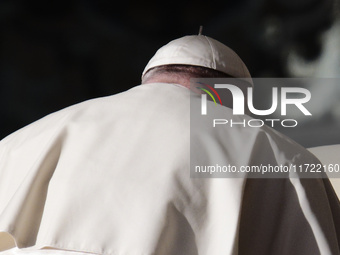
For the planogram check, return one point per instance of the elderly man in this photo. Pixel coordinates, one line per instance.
(111, 175)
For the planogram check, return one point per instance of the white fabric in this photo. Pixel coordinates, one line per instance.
(329, 154)
(111, 176)
(16, 251)
(200, 50)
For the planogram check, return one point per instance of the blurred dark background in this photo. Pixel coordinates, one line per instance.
(57, 53)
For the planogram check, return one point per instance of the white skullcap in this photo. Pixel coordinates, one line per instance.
(200, 50)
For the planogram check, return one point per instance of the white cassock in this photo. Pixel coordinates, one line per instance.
(111, 176)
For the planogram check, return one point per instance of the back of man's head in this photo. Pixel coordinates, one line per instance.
(194, 56)
(180, 74)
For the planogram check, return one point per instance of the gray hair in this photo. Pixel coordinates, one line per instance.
(188, 71)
